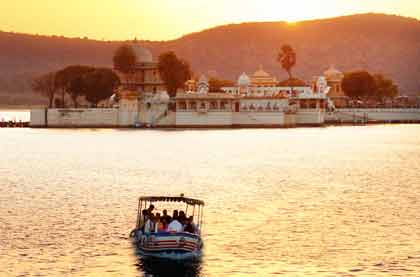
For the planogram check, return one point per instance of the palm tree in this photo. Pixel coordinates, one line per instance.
(287, 59)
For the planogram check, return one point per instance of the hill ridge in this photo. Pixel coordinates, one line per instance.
(387, 44)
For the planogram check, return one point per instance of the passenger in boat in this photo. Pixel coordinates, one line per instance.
(163, 225)
(158, 223)
(182, 218)
(175, 225)
(150, 209)
(166, 216)
(149, 226)
(190, 226)
(175, 215)
(145, 216)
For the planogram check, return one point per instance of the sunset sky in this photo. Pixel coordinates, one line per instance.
(169, 19)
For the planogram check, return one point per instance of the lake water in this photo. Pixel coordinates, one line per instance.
(309, 201)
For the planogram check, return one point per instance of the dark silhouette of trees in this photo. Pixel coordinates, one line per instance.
(45, 85)
(99, 85)
(215, 84)
(293, 82)
(173, 71)
(287, 59)
(125, 59)
(385, 88)
(359, 85)
(70, 81)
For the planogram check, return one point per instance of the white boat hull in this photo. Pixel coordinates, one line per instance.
(173, 246)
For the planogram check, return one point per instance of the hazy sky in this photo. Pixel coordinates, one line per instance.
(168, 19)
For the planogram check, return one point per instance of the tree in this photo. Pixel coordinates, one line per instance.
(385, 88)
(293, 82)
(125, 58)
(173, 71)
(45, 85)
(359, 85)
(287, 59)
(215, 84)
(99, 85)
(70, 80)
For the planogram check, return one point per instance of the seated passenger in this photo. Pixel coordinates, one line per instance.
(175, 215)
(162, 226)
(175, 225)
(166, 216)
(182, 218)
(190, 227)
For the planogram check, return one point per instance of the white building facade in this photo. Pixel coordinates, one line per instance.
(253, 102)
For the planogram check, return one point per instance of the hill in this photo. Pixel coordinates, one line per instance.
(379, 43)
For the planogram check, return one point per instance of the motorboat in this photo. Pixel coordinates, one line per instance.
(169, 244)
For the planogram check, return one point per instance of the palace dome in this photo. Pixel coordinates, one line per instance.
(244, 80)
(260, 73)
(143, 54)
(332, 74)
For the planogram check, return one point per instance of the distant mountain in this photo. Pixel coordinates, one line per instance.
(379, 43)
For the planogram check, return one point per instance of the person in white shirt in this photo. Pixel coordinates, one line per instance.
(175, 226)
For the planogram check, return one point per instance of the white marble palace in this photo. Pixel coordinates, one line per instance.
(255, 101)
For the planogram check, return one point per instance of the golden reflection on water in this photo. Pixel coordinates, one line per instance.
(320, 201)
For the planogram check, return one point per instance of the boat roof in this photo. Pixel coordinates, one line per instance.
(189, 201)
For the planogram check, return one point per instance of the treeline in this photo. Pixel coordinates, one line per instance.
(95, 84)
(364, 86)
(76, 81)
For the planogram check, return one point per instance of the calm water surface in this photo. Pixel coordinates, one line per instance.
(323, 201)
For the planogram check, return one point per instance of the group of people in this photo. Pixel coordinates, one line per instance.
(156, 222)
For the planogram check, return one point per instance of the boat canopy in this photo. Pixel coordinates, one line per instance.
(189, 201)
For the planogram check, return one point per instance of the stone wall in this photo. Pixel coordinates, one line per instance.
(308, 117)
(208, 119)
(374, 115)
(258, 119)
(82, 118)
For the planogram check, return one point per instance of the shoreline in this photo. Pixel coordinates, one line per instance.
(184, 128)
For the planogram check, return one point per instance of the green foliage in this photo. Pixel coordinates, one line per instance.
(215, 84)
(173, 71)
(70, 80)
(358, 85)
(125, 59)
(287, 59)
(99, 85)
(45, 85)
(385, 88)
